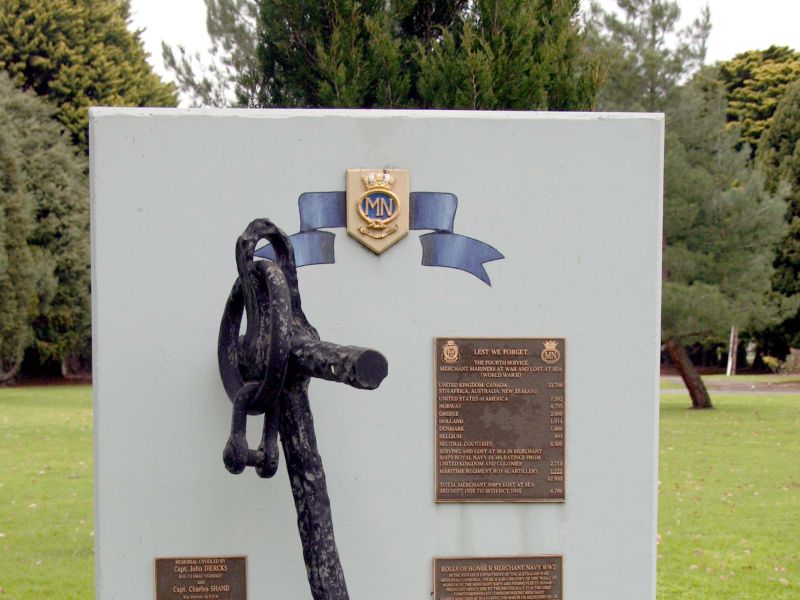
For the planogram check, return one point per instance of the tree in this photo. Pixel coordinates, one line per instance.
(54, 178)
(720, 224)
(18, 297)
(235, 28)
(648, 55)
(755, 82)
(510, 55)
(77, 54)
(487, 54)
(649, 58)
(779, 156)
(719, 220)
(44, 221)
(525, 54)
(231, 25)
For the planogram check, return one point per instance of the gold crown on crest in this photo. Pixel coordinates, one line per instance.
(382, 179)
(550, 345)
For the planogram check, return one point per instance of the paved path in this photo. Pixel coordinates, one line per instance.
(716, 392)
(738, 387)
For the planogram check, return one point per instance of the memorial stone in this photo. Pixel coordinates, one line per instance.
(506, 266)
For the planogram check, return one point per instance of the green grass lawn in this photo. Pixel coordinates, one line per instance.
(46, 527)
(729, 515)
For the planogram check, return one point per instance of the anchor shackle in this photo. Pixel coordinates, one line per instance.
(258, 359)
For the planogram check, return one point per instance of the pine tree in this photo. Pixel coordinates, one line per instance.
(720, 225)
(18, 277)
(513, 54)
(77, 54)
(648, 55)
(755, 82)
(645, 73)
(46, 235)
(231, 26)
(720, 220)
(341, 53)
(779, 156)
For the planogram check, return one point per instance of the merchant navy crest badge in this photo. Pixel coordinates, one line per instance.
(551, 354)
(450, 352)
(378, 206)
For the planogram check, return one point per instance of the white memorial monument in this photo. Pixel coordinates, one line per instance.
(551, 223)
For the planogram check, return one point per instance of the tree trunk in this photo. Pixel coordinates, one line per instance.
(8, 372)
(733, 351)
(76, 366)
(697, 389)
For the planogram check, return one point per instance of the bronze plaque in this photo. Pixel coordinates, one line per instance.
(500, 419)
(201, 578)
(498, 578)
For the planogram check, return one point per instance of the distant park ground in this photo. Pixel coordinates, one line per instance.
(729, 514)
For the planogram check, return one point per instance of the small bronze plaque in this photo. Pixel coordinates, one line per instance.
(498, 578)
(500, 419)
(201, 578)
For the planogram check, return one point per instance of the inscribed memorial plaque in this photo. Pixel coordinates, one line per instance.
(500, 419)
(207, 578)
(498, 578)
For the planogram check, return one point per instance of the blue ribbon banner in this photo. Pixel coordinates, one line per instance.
(429, 210)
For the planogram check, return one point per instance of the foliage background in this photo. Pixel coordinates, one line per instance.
(44, 265)
(65, 55)
(78, 54)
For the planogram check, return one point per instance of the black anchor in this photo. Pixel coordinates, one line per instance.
(267, 370)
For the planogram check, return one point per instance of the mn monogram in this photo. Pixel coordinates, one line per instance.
(378, 206)
(551, 354)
